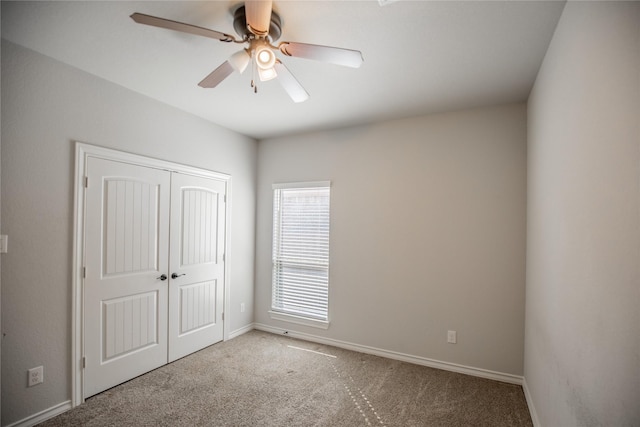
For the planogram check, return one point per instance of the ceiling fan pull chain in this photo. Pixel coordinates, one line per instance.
(254, 70)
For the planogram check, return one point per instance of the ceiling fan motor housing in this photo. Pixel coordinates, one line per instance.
(240, 24)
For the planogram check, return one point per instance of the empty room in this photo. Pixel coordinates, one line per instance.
(320, 213)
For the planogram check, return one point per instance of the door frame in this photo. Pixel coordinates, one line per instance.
(83, 152)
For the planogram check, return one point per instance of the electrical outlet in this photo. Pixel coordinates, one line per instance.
(36, 376)
(451, 337)
(241, 307)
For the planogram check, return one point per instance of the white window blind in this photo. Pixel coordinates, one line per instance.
(301, 249)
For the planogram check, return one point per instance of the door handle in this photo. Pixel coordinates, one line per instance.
(163, 277)
(176, 275)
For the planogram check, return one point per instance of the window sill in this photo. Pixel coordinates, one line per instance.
(321, 324)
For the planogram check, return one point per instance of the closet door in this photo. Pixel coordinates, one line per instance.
(126, 260)
(196, 287)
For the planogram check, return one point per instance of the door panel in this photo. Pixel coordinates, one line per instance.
(129, 324)
(197, 236)
(131, 223)
(199, 233)
(126, 251)
(197, 306)
(131, 211)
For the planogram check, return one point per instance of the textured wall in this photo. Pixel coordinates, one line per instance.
(427, 233)
(582, 346)
(46, 106)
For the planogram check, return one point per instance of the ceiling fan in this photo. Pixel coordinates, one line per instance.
(259, 26)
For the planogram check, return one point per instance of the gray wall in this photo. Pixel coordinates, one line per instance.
(427, 233)
(582, 346)
(46, 106)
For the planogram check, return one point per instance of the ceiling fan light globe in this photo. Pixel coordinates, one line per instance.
(240, 60)
(265, 58)
(267, 74)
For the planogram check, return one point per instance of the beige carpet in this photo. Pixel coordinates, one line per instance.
(261, 379)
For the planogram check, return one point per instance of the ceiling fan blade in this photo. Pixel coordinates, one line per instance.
(217, 75)
(332, 55)
(258, 16)
(154, 21)
(290, 83)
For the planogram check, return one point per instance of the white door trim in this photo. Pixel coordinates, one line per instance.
(83, 152)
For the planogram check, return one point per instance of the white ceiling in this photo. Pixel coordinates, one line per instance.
(419, 56)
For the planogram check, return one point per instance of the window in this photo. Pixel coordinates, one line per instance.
(301, 253)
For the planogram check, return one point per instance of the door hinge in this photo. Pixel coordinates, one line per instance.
(84, 272)
(222, 316)
(84, 362)
(224, 257)
(86, 182)
(225, 198)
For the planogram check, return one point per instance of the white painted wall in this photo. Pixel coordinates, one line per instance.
(1, 232)
(582, 346)
(427, 233)
(46, 106)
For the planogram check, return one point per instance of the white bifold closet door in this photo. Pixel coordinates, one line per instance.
(153, 287)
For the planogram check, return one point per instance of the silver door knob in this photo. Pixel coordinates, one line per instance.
(176, 275)
(163, 277)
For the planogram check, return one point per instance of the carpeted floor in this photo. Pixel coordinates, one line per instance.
(261, 379)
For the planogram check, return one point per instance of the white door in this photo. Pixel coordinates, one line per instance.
(196, 289)
(154, 260)
(126, 253)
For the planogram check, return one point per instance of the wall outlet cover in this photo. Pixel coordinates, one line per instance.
(4, 244)
(36, 376)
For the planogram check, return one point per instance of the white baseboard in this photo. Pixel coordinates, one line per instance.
(532, 408)
(447, 366)
(417, 360)
(241, 331)
(43, 415)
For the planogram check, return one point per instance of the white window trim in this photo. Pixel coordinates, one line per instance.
(309, 184)
(287, 317)
(305, 321)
